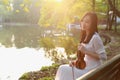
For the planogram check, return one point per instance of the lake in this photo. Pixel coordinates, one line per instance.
(20, 51)
(14, 62)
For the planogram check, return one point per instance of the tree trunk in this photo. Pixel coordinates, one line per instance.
(93, 5)
(107, 26)
(112, 6)
(115, 24)
(111, 16)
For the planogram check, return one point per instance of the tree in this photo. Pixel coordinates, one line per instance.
(113, 12)
(113, 5)
(59, 14)
(20, 10)
(93, 5)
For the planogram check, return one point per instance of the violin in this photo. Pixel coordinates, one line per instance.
(80, 63)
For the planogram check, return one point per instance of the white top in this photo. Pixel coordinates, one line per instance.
(95, 45)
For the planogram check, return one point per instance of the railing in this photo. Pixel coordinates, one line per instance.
(110, 70)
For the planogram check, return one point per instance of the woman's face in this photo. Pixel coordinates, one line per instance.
(86, 23)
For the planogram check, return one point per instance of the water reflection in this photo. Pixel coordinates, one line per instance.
(21, 36)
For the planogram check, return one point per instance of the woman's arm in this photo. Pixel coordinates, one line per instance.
(92, 54)
(98, 56)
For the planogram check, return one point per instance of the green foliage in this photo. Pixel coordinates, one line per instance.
(101, 9)
(70, 45)
(25, 76)
(54, 56)
(51, 12)
(46, 78)
(5, 7)
(55, 65)
(55, 13)
(47, 68)
(47, 43)
(20, 10)
(46, 73)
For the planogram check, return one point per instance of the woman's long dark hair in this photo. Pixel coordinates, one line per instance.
(85, 38)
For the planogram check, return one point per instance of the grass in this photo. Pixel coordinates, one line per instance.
(45, 73)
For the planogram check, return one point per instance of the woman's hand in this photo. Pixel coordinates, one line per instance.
(72, 63)
(87, 52)
(82, 48)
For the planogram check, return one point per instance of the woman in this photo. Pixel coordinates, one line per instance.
(91, 45)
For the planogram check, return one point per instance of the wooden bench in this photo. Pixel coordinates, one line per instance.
(110, 70)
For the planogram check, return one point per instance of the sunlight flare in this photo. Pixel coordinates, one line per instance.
(59, 0)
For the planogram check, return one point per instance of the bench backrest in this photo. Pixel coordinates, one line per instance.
(110, 70)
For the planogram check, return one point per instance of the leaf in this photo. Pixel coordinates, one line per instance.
(17, 11)
(26, 9)
(6, 2)
(22, 5)
(8, 8)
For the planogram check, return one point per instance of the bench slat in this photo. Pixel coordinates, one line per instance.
(111, 73)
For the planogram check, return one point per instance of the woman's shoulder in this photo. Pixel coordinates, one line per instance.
(96, 36)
